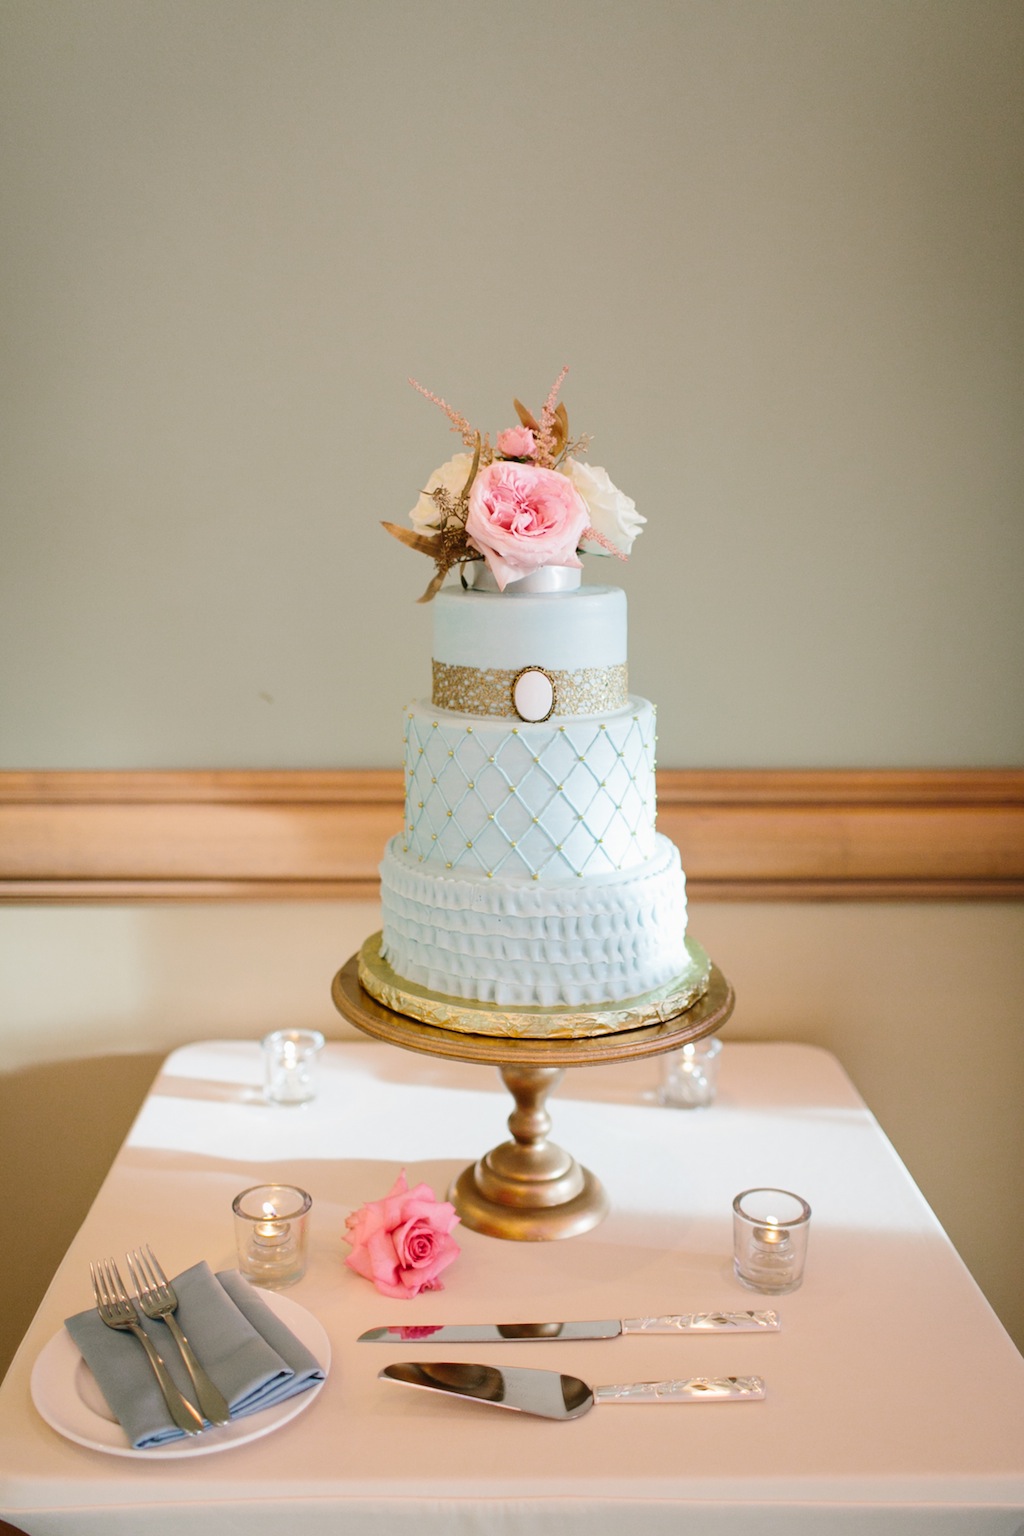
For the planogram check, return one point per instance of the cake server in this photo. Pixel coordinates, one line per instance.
(498, 1333)
(550, 1395)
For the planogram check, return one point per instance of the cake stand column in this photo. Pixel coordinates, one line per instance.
(528, 1188)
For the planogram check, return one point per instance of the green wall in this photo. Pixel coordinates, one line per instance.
(778, 242)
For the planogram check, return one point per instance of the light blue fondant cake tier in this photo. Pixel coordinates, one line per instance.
(569, 798)
(519, 943)
(562, 631)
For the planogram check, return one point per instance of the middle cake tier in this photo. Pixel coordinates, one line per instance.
(547, 801)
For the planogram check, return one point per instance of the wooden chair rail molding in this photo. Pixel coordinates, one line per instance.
(744, 835)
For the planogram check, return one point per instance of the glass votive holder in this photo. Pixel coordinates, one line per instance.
(769, 1238)
(289, 1065)
(689, 1076)
(271, 1233)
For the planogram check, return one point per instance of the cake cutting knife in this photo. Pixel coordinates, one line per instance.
(499, 1333)
(551, 1395)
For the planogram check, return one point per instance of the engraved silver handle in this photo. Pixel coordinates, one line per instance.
(705, 1322)
(696, 1389)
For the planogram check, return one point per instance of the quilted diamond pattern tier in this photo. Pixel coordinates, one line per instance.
(549, 801)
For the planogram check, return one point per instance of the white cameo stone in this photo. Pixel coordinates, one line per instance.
(533, 694)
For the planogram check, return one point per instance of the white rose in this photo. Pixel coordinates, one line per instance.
(612, 513)
(450, 477)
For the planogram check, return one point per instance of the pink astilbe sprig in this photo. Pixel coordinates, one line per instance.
(458, 421)
(591, 532)
(547, 440)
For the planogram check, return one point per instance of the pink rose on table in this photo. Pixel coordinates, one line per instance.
(517, 443)
(403, 1242)
(522, 517)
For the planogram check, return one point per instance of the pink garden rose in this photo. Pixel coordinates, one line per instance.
(403, 1242)
(517, 443)
(522, 517)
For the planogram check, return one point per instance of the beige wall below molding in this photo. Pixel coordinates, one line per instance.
(920, 1002)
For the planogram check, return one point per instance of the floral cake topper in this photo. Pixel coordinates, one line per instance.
(527, 502)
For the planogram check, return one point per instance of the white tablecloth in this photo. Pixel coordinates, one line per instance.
(894, 1395)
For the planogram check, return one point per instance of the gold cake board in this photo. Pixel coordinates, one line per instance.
(454, 1013)
(528, 1189)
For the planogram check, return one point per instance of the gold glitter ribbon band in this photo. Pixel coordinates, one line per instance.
(489, 690)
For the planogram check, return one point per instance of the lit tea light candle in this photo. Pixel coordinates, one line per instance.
(771, 1235)
(689, 1075)
(271, 1233)
(770, 1239)
(289, 1063)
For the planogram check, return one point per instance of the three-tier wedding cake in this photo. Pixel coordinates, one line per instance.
(529, 892)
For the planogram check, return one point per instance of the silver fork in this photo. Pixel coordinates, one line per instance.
(116, 1310)
(157, 1299)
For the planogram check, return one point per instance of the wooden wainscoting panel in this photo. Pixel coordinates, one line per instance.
(744, 835)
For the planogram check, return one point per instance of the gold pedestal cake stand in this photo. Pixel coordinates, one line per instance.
(528, 1189)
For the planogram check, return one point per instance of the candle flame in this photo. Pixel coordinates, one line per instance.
(269, 1210)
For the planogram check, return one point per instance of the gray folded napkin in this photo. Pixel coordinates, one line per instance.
(248, 1352)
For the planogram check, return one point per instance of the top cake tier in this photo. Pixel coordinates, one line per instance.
(531, 655)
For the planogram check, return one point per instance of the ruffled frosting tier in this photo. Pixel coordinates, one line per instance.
(518, 943)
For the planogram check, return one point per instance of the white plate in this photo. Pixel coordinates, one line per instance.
(64, 1391)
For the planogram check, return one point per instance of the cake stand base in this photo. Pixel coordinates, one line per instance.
(528, 1189)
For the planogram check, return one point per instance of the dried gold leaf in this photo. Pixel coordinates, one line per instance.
(473, 469)
(436, 583)
(414, 540)
(526, 417)
(559, 429)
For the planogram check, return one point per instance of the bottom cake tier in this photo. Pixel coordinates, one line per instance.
(662, 1006)
(526, 944)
